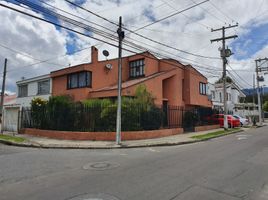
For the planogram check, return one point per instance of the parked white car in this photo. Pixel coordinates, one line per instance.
(243, 121)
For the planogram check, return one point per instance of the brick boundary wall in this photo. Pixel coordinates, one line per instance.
(101, 136)
(206, 128)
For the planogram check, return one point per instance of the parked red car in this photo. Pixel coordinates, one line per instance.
(232, 121)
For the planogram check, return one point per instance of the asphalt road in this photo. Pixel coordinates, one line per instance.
(230, 168)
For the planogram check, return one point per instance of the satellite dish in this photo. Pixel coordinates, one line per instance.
(109, 66)
(105, 53)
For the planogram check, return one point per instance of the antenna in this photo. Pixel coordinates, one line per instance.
(105, 53)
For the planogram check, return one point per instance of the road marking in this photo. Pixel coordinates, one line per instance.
(242, 137)
(153, 150)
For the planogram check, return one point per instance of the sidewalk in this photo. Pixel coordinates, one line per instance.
(42, 142)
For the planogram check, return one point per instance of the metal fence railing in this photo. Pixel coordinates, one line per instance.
(103, 118)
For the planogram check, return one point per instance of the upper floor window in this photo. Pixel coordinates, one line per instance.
(202, 88)
(79, 80)
(229, 97)
(213, 94)
(136, 68)
(22, 90)
(43, 87)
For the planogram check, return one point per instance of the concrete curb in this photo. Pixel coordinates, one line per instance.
(37, 145)
(22, 144)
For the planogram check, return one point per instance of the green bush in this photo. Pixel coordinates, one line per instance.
(94, 109)
(151, 119)
(61, 113)
(189, 119)
(38, 106)
(129, 116)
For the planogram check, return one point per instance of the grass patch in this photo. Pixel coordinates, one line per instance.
(214, 134)
(12, 138)
(247, 126)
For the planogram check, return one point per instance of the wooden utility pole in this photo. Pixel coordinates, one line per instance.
(3, 94)
(224, 54)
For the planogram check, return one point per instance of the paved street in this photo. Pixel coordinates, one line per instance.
(230, 168)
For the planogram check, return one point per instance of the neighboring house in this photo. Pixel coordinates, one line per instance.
(27, 89)
(10, 113)
(234, 95)
(169, 81)
(246, 109)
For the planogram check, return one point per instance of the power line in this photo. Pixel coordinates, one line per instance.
(74, 15)
(27, 55)
(167, 3)
(239, 76)
(206, 10)
(224, 14)
(50, 13)
(235, 80)
(172, 15)
(93, 13)
(22, 12)
(70, 20)
(150, 39)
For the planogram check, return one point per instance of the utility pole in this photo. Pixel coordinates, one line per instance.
(121, 36)
(224, 54)
(3, 94)
(260, 69)
(254, 120)
(253, 96)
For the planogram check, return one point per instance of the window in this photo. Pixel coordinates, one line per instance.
(79, 80)
(136, 68)
(220, 98)
(43, 87)
(202, 88)
(213, 94)
(23, 91)
(183, 97)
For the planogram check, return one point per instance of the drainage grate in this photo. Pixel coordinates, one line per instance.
(94, 197)
(100, 166)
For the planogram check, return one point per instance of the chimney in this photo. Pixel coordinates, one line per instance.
(94, 54)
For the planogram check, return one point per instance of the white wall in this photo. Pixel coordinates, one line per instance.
(32, 91)
(234, 93)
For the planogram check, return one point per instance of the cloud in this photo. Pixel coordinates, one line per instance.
(189, 31)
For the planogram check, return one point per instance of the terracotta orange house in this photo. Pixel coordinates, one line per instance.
(169, 81)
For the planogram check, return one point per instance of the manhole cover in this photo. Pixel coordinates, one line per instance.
(100, 165)
(94, 197)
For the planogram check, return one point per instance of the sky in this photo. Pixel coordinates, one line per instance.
(34, 48)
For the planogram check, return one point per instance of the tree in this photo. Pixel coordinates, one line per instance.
(265, 106)
(228, 80)
(143, 97)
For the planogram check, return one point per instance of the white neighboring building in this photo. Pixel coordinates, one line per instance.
(10, 114)
(234, 94)
(27, 89)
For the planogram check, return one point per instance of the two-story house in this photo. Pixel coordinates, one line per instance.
(27, 89)
(233, 92)
(169, 81)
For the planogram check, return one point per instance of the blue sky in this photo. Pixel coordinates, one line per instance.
(250, 43)
(71, 45)
(191, 33)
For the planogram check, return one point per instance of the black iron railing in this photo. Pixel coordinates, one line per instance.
(103, 118)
